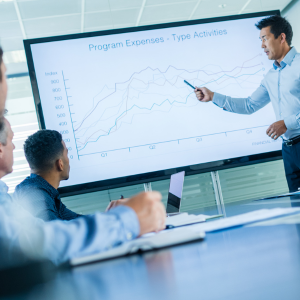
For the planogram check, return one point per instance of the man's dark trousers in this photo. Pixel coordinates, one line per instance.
(291, 160)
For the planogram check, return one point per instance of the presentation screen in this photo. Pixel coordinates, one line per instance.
(119, 99)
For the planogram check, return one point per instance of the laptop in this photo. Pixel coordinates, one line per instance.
(175, 193)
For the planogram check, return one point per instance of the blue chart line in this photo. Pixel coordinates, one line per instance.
(167, 100)
(155, 104)
(169, 67)
(70, 111)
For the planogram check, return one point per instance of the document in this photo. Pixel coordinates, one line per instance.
(248, 218)
(280, 196)
(185, 234)
(186, 219)
(289, 219)
(147, 242)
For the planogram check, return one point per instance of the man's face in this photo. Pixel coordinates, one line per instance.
(3, 89)
(6, 152)
(272, 47)
(65, 159)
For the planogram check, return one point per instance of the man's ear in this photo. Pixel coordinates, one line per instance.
(1, 151)
(282, 38)
(60, 165)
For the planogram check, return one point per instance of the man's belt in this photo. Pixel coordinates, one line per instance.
(292, 141)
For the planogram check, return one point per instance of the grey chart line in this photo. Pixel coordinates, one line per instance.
(83, 144)
(70, 112)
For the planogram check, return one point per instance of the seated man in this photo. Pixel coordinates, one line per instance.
(60, 241)
(47, 156)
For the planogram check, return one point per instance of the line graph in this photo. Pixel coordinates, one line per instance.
(127, 111)
(167, 100)
(163, 72)
(154, 94)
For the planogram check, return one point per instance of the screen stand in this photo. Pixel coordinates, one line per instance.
(147, 187)
(218, 192)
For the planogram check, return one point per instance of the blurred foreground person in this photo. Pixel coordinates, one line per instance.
(59, 241)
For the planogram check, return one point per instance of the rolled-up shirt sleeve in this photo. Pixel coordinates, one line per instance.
(256, 101)
(293, 121)
(89, 234)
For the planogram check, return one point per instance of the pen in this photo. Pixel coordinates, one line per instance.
(189, 84)
(169, 226)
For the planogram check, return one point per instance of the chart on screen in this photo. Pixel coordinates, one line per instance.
(123, 108)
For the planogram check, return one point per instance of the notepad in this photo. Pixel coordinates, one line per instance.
(146, 243)
(187, 219)
(243, 219)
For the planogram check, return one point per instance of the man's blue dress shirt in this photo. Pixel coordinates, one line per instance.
(42, 200)
(281, 86)
(60, 241)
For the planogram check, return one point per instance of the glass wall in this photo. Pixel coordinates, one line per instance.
(253, 182)
(22, 117)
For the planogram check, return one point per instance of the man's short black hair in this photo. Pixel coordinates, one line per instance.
(278, 25)
(43, 148)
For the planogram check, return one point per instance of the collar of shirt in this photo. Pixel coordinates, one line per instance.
(287, 59)
(47, 186)
(3, 187)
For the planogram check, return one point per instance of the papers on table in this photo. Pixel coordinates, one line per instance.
(280, 196)
(145, 243)
(251, 217)
(186, 219)
(289, 219)
(185, 234)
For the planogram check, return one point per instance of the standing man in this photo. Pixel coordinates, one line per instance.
(281, 86)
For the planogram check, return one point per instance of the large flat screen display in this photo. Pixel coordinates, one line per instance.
(119, 99)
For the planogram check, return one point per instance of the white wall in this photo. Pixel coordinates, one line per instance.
(292, 13)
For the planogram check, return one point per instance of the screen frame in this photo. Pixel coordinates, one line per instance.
(151, 176)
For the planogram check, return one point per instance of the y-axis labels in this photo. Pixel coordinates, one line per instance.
(70, 111)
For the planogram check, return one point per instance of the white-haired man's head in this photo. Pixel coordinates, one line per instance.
(6, 149)
(3, 87)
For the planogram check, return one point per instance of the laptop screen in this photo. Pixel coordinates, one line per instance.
(175, 192)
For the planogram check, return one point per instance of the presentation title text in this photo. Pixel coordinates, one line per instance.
(142, 42)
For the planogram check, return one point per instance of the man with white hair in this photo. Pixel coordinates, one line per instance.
(58, 240)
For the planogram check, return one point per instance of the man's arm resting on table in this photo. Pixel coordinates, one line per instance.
(62, 241)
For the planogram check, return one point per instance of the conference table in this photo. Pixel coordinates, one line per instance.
(247, 262)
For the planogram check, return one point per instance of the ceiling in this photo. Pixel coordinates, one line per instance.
(25, 19)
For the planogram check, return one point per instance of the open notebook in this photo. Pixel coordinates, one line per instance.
(147, 242)
(183, 219)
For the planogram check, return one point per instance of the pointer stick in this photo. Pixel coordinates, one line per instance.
(189, 84)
